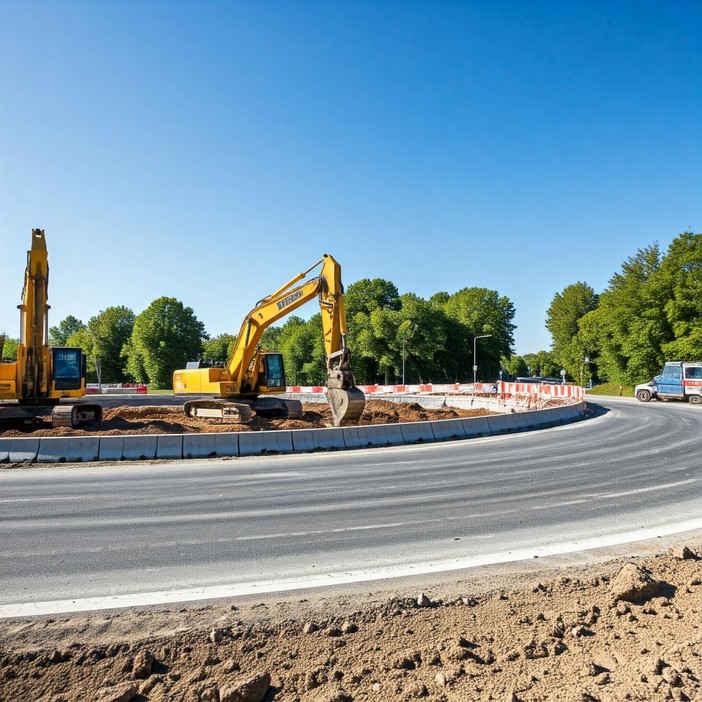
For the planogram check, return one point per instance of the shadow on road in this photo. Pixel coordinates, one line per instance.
(594, 410)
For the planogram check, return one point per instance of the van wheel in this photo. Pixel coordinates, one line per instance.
(643, 395)
(696, 399)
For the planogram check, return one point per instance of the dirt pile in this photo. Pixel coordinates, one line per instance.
(162, 419)
(624, 630)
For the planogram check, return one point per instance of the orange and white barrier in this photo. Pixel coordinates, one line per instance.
(116, 388)
(502, 390)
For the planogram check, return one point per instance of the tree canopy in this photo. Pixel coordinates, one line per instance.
(650, 312)
(165, 337)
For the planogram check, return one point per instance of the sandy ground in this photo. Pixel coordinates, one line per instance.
(619, 628)
(628, 628)
(162, 419)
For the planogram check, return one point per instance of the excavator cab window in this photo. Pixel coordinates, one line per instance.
(69, 368)
(274, 370)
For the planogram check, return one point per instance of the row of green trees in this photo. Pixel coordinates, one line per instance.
(650, 313)
(391, 337)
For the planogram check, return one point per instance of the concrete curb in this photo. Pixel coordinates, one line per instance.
(76, 449)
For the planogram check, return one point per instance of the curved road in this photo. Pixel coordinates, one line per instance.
(95, 537)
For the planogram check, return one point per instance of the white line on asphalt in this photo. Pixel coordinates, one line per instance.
(27, 609)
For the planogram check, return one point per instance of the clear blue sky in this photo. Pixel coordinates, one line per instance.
(211, 150)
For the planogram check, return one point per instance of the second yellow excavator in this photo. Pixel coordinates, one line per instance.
(244, 386)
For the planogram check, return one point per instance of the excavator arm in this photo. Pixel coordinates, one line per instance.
(245, 375)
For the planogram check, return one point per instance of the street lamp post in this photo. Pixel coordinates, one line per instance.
(403, 363)
(475, 357)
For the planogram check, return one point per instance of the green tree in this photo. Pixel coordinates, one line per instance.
(369, 359)
(270, 338)
(481, 311)
(302, 345)
(680, 275)
(541, 365)
(58, 336)
(165, 336)
(8, 352)
(367, 295)
(515, 366)
(562, 321)
(423, 327)
(372, 344)
(219, 348)
(108, 333)
(629, 324)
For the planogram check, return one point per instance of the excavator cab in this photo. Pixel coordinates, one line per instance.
(68, 368)
(273, 371)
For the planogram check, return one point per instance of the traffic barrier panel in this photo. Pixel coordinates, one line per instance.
(255, 443)
(447, 429)
(316, 439)
(54, 449)
(22, 450)
(18, 450)
(210, 445)
(169, 446)
(416, 432)
(476, 426)
(358, 437)
(5, 450)
(111, 448)
(531, 420)
(501, 423)
(139, 448)
(373, 435)
(553, 416)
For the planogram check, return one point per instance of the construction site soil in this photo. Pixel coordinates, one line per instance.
(163, 419)
(622, 625)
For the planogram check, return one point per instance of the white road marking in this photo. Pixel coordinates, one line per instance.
(26, 609)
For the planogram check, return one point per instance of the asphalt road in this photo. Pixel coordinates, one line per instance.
(140, 533)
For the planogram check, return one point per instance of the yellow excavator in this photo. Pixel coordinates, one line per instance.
(244, 386)
(34, 385)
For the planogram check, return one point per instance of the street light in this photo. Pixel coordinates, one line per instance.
(403, 363)
(475, 357)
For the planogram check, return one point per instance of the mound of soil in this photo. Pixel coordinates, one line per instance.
(162, 419)
(623, 630)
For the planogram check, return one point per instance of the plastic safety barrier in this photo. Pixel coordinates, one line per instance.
(416, 432)
(317, 439)
(54, 449)
(210, 445)
(257, 443)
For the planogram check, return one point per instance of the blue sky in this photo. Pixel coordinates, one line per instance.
(211, 150)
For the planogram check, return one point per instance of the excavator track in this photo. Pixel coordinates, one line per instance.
(235, 412)
(74, 415)
(277, 408)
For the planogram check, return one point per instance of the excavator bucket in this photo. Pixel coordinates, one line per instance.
(346, 405)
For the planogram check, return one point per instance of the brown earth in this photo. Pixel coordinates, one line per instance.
(625, 629)
(161, 419)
